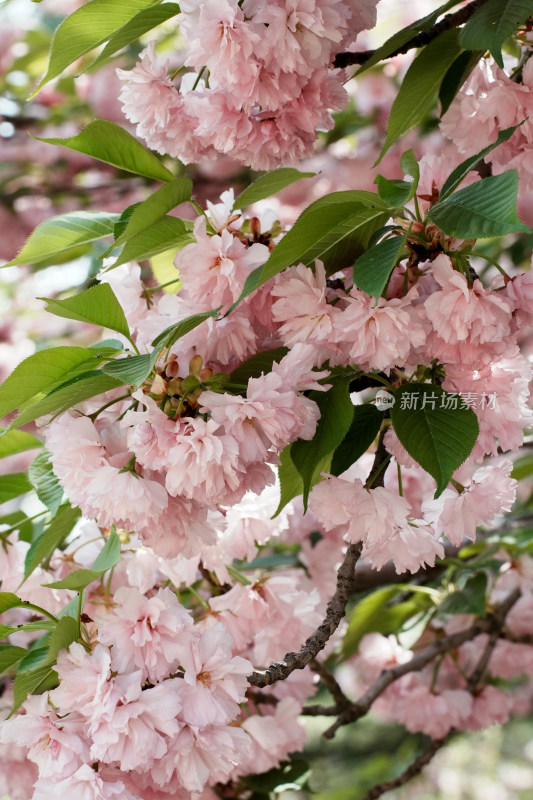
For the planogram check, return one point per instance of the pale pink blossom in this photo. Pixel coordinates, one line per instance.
(214, 269)
(377, 335)
(490, 494)
(57, 745)
(149, 634)
(434, 714)
(204, 464)
(138, 733)
(272, 737)
(459, 313)
(301, 306)
(84, 784)
(86, 683)
(215, 681)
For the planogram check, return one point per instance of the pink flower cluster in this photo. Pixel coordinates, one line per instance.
(183, 462)
(262, 82)
(488, 102)
(152, 707)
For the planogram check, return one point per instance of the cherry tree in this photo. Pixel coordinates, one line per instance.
(275, 445)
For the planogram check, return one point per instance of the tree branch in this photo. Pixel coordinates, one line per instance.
(412, 770)
(489, 624)
(329, 680)
(319, 638)
(474, 680)
(419, 40)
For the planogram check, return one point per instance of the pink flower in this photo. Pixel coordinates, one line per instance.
(302, 307)
(459, 313)
(491, 493)
(215, 682)
(84, 784)
(272, 737)
(204, 463)
(214, 269)
(138, 733)
(149, 634)
(377, 336)
(419, 709)
(86, 683)
(220, 39)
(57, 745)
(88, 461)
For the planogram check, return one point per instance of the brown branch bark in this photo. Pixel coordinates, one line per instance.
(329, 680)
(419, 40)
(474, 681)
(336, 607)
(492, 623)
(319, 638)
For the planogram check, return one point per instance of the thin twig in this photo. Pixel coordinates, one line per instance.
(329, 680)
(419, 40)
(412, 770)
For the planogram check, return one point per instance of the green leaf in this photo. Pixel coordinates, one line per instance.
(420, 86)
(134, 370)
(376, 612)
(456, 75)
(461, 171)
(290, 774)
(33, 659)
(483, 209)
(85, 29)
(522, 467)
(394, 192)
(438, 435)
(14, 485)
(336, 414)
(9, 600)
(492, 24)
(44, 481)
(80, 578)
(469, 600)
(34, 682)
(85, 386)
(40, 373)
(71, 608)
(163, 234)
(113, 145)
(10, 655)
(365, 427)
(290, 480)
(97, 306)
(140, 24)
(335, 232)
(372, 270)
(65, 632)
(145, 214)
(269, 184)
(109, 555)
(254, 367)
(43, 547)
(58, 236)
(16, 442)
(171, 335)
(410, 167)
(402, 37)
